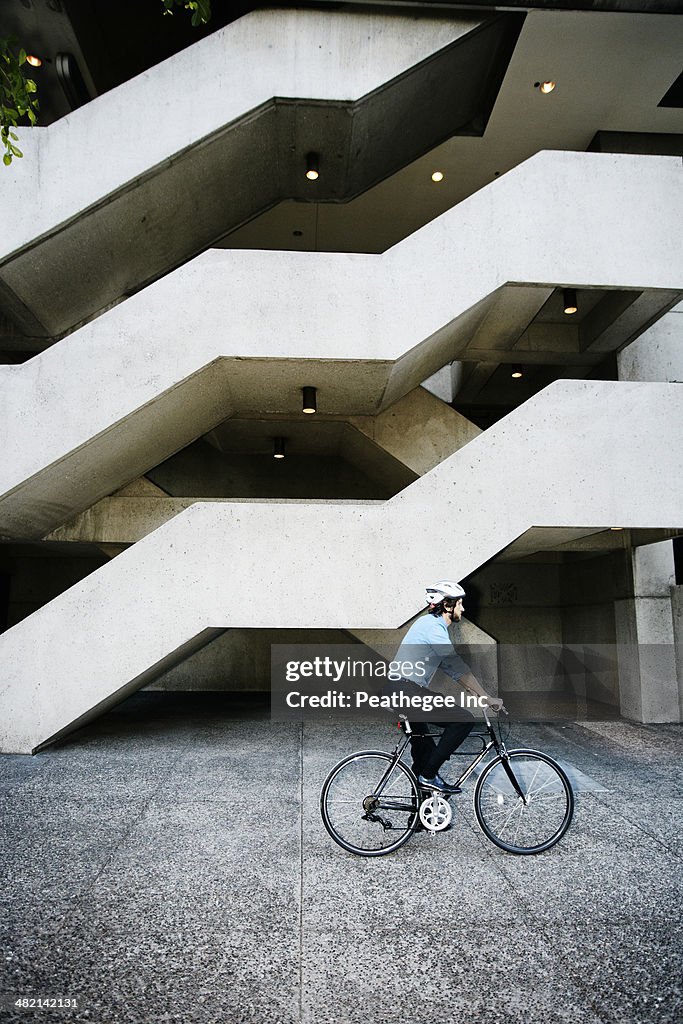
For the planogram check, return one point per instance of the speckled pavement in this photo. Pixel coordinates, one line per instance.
(168, 863)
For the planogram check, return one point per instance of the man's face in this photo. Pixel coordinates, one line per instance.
(453, 610)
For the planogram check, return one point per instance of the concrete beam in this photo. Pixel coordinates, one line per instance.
(189, 577)
(657, 354)
(197, 346)
(586, 539)
(419, 430)
(508, 318)
(646, 308)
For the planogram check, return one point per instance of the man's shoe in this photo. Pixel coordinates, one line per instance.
(439, 784)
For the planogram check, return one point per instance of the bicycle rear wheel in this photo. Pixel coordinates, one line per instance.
(369, 803)
(532, 823)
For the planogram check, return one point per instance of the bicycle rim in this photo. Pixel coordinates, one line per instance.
(529, 825)
(361, 818)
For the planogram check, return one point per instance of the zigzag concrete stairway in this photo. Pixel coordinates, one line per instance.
(239, 332)
(134, 183)
(195, 348)
(177, 587)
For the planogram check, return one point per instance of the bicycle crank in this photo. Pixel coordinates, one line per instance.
(435, 813)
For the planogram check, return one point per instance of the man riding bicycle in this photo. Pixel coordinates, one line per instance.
(428, 644)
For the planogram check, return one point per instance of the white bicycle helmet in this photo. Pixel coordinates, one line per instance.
(446, 588)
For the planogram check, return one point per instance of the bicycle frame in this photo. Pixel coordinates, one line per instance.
(494, 743)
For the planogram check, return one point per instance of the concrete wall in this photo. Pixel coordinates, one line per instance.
(559, 601)
(588, 589)
(239, 659)
(202, 472)
(36, 577)
(558, 598)
(519, 603)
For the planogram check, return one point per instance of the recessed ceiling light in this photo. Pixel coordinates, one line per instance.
(312, 166)
(547, 87)
(569, 301)
(517, 372)
(310, 402)
(437, 175)
(278, 447)
(34, 61)
(615, 528)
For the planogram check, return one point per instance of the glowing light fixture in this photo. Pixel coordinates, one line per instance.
(546, 87)
(569, 301)
(310, 400)
(312, 166)
(517, 372)
(278, 447)
(34, 60)
(437, 175)
(616, 528)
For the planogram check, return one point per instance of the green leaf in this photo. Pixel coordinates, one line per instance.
(7, 159)
(22, 56)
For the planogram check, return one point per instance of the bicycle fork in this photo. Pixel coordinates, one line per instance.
(505, 760)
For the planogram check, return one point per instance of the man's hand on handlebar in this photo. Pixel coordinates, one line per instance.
(496, 704)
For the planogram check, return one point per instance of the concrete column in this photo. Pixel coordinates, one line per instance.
(649, 623)
(677, 614)
(648, 684)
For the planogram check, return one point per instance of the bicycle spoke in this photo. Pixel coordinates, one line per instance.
(369, 803)
(535, 823)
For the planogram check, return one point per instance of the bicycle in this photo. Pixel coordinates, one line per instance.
(371, 802)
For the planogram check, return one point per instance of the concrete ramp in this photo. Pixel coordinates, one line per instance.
(150, 174)
(194, 574)
(198, 346)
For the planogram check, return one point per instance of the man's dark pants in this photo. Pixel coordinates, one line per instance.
(428, 756)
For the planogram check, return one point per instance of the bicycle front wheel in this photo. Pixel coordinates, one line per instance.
(524, 802)
(369, 803)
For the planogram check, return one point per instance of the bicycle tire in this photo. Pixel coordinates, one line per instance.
(358, 819)
(524, 827)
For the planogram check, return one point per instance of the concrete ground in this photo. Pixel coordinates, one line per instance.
(168, 863)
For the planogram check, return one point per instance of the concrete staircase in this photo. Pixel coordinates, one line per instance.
(150, 174)
(149, 376)
(175, 589)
